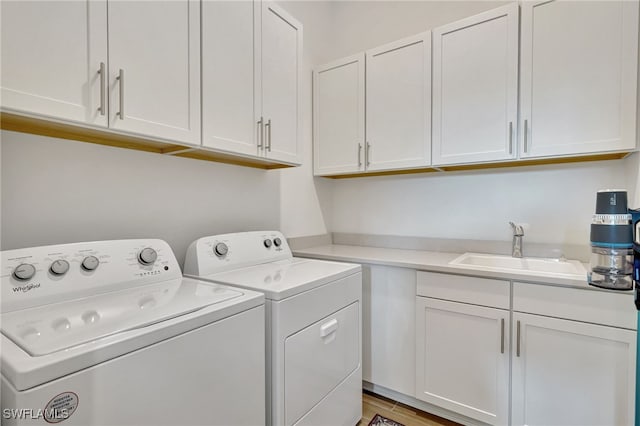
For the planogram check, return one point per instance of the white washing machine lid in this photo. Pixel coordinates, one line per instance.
(285, 278)
(58, 327)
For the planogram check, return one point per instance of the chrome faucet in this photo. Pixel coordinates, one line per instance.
(516, 246)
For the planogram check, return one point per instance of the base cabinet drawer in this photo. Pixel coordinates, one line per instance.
(462, 358)
(595, 306)
(458, 288)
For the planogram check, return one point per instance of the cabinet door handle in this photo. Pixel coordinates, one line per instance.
(120, 79)
(359, 155)
(526, 136)
(502, 335)
(102, 73)
(260, 133)
(367, 154)
(511, 137)
(518, 339)
(268, 127)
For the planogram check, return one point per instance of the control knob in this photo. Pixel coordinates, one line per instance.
(147, 256)
(59, 267)
(24, 272)
(267, 243)
(221, 249)
(277, 242)
(90, 263)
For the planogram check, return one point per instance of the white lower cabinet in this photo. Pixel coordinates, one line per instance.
(388, 321)
(463, 354)
(462, 348)
(571, 351)
(571, 373)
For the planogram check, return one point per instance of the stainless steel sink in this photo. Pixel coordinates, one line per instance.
(527, 265)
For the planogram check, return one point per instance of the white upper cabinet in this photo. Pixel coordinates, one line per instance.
(475, 88)
(338, 123)
(51, 58)
(231, 104)
(154, 68)
(578, 77)
(251, 58)
(281, 55)
(398, 104)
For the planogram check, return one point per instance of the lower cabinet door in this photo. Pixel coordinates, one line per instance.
(462, 358)
(388, 328)
(572, 373)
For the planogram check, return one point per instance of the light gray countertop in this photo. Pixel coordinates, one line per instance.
(433, 262)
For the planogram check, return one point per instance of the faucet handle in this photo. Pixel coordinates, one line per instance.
(518, 231)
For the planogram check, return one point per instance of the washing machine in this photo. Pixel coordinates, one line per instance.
(313, 323)
(110, 333)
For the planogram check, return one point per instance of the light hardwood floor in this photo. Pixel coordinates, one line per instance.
(373, 404)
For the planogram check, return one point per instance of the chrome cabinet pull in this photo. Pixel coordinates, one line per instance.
(367, 154)
(120, 79)
(502, 335)
(526, 130)
(268, 127)
(359, 155)
(511, 137)
(102, 73)
(518, 339)
(260, 133)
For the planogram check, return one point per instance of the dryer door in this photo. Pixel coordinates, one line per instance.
(318, 358)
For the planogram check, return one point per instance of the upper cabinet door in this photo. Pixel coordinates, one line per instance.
(475, 82)
(51, 59)
(399, 104)
(579, 77)
(230, 78)
(154, 68)
(338, 116)
(280, 58)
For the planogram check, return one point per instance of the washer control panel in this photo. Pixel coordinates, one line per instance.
(41, 275)
(219, 253)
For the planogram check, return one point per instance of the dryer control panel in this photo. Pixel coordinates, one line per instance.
(41, 275)
(219, 253)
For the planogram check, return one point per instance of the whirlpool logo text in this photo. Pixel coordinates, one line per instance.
(26, 288)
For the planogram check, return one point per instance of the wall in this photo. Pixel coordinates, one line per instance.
(333, 29)
(361, 25)
(556, 202)
(633, 180)
(305, 202)
(57, 191)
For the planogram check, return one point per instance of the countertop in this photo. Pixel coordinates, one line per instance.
(433, 262)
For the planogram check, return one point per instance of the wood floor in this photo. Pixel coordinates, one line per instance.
(373, 404)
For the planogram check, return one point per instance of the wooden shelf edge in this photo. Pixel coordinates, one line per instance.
(37, 126)
(382, 173)
(219, 157)
(488, 166)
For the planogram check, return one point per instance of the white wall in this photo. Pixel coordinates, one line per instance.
(58, 191)
(633, 178)
(305, 201)
(556, 202)
(333, 29)
(361, 25)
